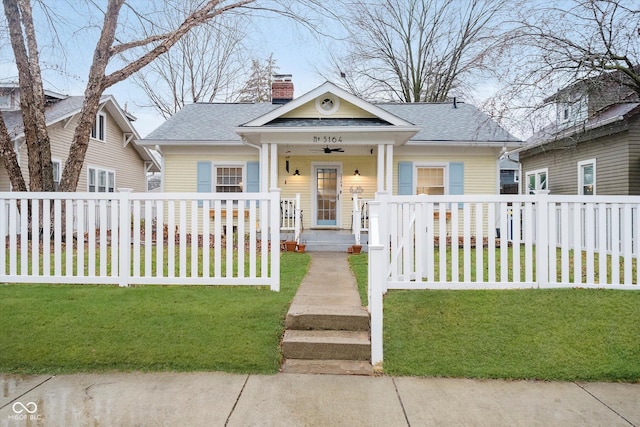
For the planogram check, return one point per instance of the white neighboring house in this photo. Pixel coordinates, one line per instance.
(112, 160)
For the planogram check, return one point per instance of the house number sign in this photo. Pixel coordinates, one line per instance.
(327, 139)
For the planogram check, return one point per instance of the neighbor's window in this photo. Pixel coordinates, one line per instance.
(98, 130)
(228, 179)
(101, 181)
(587, 177)
(57, 167)
(430, 180)
(537, 180)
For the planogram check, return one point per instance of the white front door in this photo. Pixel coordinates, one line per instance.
(327, 178)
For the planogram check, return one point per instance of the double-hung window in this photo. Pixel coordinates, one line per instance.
(537, 180)
(587, 177)
(101, 180)
(431, 180)
(228, 179)
(98, 131)
(57, 170)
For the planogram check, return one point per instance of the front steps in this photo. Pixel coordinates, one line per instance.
(327, 329)
(330, 240)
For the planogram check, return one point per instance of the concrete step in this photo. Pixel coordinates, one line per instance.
(328, 317)
(331, 367)
(326, 345)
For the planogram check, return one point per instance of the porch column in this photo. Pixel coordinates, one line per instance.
(274, 166)
(380, 179)
(389, 176)
(264, 168)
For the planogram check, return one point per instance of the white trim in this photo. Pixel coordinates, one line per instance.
(536, 173)
(98, 169)
(314, 193)
(97, 127)
(59, 162)
(581, 166)
(230, 164)
(445, 173)
(320, 104)
(323, 89)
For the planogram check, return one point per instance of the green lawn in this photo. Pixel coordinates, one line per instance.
(557, 334)
(81, 328)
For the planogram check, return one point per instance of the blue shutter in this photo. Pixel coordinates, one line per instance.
(456, 179)
(405, 178)
(204, 179)
(253, 177)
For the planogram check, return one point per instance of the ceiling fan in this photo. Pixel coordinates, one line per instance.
(329, 150)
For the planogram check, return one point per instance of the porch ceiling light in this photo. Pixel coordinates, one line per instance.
(356, 173)
(296, 173)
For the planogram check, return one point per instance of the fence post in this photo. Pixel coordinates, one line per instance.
(124, 223)
(297, 225)
(274, 228)
(542, 240)
(376, 277)
(356, 218)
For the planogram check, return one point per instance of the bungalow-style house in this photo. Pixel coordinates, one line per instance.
(592, 147)
(328, 146)
(112, 161)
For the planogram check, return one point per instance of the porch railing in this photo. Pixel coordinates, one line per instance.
(291, 216)
(194, 238)
(359, 217)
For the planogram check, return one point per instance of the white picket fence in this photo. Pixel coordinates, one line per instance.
(141, 238)
(499, 242)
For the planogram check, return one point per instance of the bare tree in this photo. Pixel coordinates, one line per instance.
(204, 65)
(118, 38)
(555, 44)
(416, 50)
(257, 88)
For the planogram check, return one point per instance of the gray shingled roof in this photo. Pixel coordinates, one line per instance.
(443, 122)
(53, 113)
(208, 122)
(439, 122)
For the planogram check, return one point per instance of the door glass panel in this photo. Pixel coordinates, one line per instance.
(327, 184)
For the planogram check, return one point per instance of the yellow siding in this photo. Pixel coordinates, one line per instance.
(480, 169)
(345, 110)
(4, 179)
(303, 184)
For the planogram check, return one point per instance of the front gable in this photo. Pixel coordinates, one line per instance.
(327, 108)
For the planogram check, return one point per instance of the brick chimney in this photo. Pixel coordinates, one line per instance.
(281, 89)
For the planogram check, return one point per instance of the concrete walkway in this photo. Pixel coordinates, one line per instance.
(218, 399)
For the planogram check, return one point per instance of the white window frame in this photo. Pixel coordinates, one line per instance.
(96, 184)
(56, 179)
(214, 171)
(445, 172)
(99, 129)
(537, 173)
(581, 185)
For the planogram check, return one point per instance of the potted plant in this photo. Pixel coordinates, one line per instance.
(301, 247)
(356, 249)
(290, 245)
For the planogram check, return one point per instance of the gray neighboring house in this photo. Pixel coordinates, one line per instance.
(593, 147)
(112, 161)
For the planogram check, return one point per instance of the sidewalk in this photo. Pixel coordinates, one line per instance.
(219, 399)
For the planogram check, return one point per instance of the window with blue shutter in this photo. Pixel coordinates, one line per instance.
(405, 178)
(203, 179)
(253, 177)
(456, 179)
